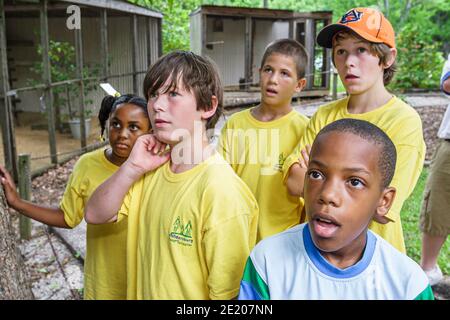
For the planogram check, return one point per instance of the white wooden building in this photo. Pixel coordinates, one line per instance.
(235, 38)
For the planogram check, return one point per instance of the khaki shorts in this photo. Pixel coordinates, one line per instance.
(435, 213)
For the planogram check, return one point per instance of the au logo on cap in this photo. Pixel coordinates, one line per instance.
(351, 16)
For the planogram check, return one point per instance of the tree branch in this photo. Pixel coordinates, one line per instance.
(404, 17)
(386, 8)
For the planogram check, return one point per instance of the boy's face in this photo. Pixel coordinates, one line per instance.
(174, 113)
(358, 68)
(343, 190)
(278, 80)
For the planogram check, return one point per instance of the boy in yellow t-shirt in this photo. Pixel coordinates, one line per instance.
(191, 220)
(257, 141)
(363, 51)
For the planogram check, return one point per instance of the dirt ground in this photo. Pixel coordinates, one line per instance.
(55, 272)
(35, 142)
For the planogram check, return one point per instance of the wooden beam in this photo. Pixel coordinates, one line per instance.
(314, 15)
(335, 84)
(79, 62)
(135, 52)
(204, 33)
(160, 36)
(104, 43)
(47, 79)
(245, 12)
(328, 64)
(21, 8)
(148, 28)
(252, 50)
(248, 50)
(67, 82)
(291, 29)
(6, 120)
(309, 46)
(117, 5)
(25, 193)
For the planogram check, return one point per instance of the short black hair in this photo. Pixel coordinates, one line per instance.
(371, 133)
(199, 75)
(291, 48)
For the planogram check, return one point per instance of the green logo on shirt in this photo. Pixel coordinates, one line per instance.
(181, 234)
(279, 165)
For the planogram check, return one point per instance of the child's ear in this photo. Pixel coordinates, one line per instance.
(391, 59)
(385, 203)
(301, 83)
(206, 114)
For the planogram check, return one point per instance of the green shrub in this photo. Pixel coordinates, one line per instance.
(419, 60)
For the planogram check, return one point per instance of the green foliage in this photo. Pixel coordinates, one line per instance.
(175, 27)
(422, 28)
(63, 67)
(419, 60)
(420, 45)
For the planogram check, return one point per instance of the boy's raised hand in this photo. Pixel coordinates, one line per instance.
(12, 197)
(304, 159)
(296, 176)
(148, 154)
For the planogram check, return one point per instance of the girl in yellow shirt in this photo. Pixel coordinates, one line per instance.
(105, 261)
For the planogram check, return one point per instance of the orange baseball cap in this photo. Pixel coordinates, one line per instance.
(368, 23)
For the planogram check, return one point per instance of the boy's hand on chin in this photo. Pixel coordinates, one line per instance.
(148, 154)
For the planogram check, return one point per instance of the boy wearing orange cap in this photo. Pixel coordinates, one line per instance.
(363, 52)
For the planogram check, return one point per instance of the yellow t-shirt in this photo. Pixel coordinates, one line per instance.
(105, 261)
(256, 151)
(189, 233)
(404, 127)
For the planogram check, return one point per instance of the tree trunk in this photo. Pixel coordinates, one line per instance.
(405, 13)
(386, 8)
(14, 282)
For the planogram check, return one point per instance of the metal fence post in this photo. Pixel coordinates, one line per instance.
(25, 193)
